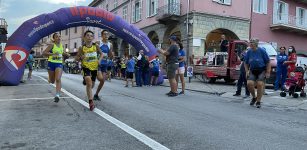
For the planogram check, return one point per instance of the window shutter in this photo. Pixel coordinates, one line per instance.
(156, 6)
(265, 6)
(286, 19)
(228, 2)
(133, 13)
(165, 2)
(140, 8)
(275, 12)
(148, 8)
(255, 8)
(297, 16)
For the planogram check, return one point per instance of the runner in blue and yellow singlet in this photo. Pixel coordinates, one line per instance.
(106, 48)
(88, 55)
(55, 54)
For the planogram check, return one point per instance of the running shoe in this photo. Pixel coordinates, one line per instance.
(91, 104)
(168, 93)
(253, 101)
(172, 94)
(97, 98)
(258, 104)
(56, 99)
(181, 93)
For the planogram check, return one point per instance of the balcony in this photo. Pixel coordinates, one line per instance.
(289, 23)
(169, 13)
(302, 1)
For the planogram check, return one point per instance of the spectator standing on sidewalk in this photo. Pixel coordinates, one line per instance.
(29, 63)
(181, 69)
(139, 68)
(257, 66)
(281, 72)
(155, 71)
(145, 71)
(172, 64)
(130, 70)
(292, 58)
(242, 79)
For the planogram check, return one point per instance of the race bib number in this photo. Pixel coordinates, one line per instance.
(91, 57)
(57, 57)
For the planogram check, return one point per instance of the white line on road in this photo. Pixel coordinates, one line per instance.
(138, 135)
(24, 99)
(36, 84)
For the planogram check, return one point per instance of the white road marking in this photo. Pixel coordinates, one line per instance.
(138, 135)
(24, 99)
(278, 97)
(35, 84)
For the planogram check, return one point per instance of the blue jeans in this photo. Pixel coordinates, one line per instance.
(242, 80)
(281, 75)
(138, 76)
(145, 77)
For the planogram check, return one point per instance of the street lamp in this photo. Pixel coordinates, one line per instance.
(67, 50)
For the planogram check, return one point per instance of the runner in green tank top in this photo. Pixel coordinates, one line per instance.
(55, 63)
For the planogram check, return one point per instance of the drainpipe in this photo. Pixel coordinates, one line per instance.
(187, 25)
(251, 20)
(188, 45)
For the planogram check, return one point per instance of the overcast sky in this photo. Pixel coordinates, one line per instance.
(15, 12)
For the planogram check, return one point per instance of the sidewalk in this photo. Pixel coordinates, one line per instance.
(227, 90)
(35, 89)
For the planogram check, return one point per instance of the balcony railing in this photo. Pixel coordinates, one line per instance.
(171, 9)
(290, 21)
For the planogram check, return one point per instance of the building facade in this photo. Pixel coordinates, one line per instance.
(199, 24)
(71, 40)
(281, 22)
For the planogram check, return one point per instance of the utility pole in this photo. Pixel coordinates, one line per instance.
(187, 25)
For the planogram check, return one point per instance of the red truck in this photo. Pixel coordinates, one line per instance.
(219, 65)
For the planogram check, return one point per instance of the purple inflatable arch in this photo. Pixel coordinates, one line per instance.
(30, 32)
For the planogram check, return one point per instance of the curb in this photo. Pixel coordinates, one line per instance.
(207, 92)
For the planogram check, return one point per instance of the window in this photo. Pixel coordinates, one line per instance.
(260, 6)
(125, 11)
(137, 11)
(301, 17)
(225, 2)
(75, 45)
(151, 7)
(280, 12)
(66, 32)
(115, 3)
(107, 7)
(76, 29)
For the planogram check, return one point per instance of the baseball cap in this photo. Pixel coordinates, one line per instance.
(173, 37)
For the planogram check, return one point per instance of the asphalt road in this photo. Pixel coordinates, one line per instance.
(29, 119)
